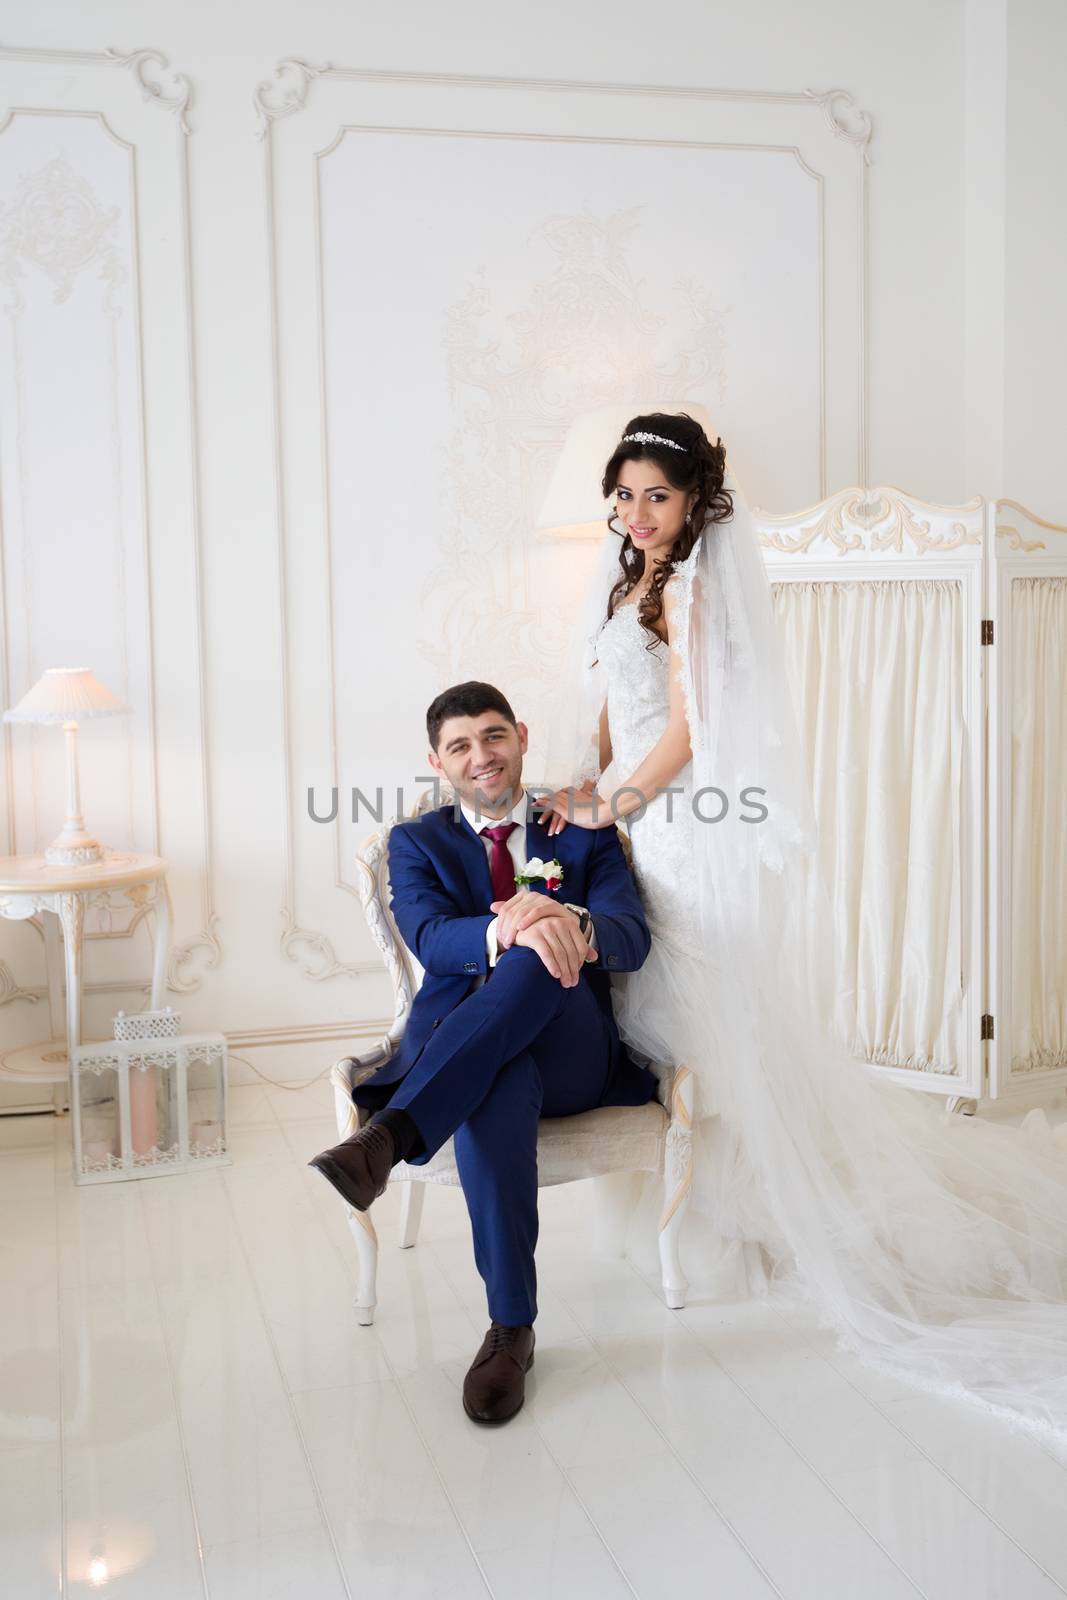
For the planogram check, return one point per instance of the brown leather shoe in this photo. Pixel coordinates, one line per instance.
(495, 1386)
(360, 1165)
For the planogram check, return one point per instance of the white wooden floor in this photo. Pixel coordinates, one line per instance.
(188, 1409)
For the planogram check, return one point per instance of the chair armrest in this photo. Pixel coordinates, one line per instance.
(665, 1072)
(349, 1071)
(676, 1093)
(361, 1066)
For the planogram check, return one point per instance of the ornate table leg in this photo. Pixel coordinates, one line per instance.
(161, 943)
(72, 917)
(53, 960)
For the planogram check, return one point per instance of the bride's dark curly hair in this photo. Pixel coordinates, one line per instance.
(697, 468)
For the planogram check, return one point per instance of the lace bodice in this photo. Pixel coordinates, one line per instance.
(635, 672)
(636, 675)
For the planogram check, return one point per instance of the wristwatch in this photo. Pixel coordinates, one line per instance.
(585, 918)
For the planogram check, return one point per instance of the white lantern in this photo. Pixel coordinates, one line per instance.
(144, 1107)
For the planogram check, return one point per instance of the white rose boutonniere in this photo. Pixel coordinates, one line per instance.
(537, 871)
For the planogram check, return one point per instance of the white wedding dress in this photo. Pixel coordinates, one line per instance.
(936, 1245)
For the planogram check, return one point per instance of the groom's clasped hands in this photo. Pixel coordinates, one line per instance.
(538, 923)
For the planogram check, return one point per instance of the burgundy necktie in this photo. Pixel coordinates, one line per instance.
(501, 866)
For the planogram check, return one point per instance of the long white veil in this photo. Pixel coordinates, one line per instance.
(936, 1245)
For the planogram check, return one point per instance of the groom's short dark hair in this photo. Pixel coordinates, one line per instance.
(465, 700)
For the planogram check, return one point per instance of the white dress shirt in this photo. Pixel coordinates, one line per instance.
(516, 842)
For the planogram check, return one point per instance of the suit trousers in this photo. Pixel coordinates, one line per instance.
(518, 1048)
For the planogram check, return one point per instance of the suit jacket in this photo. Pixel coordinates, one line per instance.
(440, 891)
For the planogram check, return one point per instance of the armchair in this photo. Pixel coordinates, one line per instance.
(652, 1138)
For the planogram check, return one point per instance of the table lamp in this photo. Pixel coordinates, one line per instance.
(573, 507)
(66, 695)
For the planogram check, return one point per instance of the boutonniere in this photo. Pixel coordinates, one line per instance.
(536, 870)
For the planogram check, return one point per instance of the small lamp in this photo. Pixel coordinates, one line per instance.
(573, 507)
(66, 695)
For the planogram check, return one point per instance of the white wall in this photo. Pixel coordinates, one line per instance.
(1035, 404)
(233, 761)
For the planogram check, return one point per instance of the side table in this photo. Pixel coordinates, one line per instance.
(29, 886)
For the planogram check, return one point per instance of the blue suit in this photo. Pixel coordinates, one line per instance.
(482, 1066)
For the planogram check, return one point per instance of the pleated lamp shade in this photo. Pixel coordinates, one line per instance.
(573, 507)
(65, 694)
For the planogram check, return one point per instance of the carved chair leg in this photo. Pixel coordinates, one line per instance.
(363, 1233)
(675, 1282)
(411, 1213)
(677, 1182)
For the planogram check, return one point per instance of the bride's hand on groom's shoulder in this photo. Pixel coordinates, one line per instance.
(583, 807)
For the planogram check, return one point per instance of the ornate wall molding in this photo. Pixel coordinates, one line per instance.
(172, 91)
(344, 1032)
(162, 85)
(844, 118)
(166, 88)
(309, 949)
(58, 227)
(29, 232)
(288, 92)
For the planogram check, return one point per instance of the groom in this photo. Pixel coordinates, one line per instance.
(481, 1061)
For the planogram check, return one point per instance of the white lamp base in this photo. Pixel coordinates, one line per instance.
(81, 850)
(73, 847)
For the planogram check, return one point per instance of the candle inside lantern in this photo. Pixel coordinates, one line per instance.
(206, 1137)
(98, 1151)
(144, 1125)
(100, 1137)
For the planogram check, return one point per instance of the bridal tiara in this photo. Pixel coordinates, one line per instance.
(651, 438)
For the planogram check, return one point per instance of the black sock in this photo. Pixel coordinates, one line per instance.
(406, 1137)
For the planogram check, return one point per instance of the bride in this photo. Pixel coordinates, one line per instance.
(936, 1246)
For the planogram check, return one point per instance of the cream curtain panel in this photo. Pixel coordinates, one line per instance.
(877, 684)
(1038, 961)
